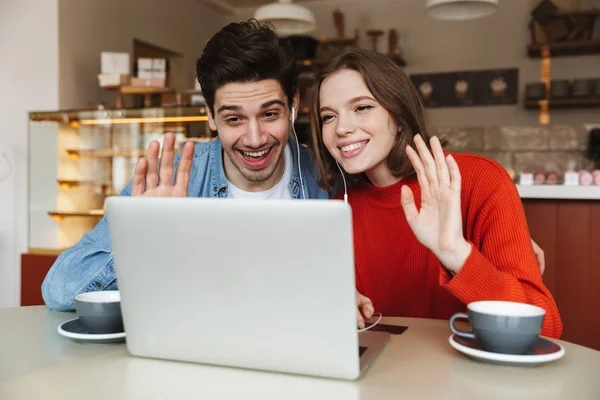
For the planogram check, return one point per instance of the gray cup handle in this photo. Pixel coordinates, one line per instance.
(466, 335)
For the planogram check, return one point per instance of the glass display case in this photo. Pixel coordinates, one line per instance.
(77, 158)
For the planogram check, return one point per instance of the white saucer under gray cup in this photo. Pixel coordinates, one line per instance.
(100, 312)
(502, 326)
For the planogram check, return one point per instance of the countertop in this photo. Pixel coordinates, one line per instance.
(591, 192)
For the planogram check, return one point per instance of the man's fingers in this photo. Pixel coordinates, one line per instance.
(138, 183)
(182, 177)
(152, 172)
(166, 161)
(539, 255)
(541, 262)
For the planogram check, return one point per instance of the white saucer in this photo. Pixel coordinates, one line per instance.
(73, 329)
(542, 351)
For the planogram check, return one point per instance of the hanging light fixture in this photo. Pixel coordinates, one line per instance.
(461, 9)
(287, 18)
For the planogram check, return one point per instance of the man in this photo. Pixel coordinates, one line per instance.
(249, 82)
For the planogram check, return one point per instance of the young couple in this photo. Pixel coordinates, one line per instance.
(433, 231)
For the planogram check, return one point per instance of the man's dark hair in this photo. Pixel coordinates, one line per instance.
(245, 52)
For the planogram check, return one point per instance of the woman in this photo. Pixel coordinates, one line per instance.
(433, 231)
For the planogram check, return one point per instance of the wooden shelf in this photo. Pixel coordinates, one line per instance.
(566, 103)
(77, 153)
(144, 89)
(71, 183)
(108, 153)
(308, 65)
(60, 215)
(124, 115)
(68, 184)
(567, 48)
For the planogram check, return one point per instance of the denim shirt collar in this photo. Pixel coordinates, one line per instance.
(219, 181)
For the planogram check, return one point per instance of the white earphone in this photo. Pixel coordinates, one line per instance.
(298, 147)
(344, 179)
(300, 169)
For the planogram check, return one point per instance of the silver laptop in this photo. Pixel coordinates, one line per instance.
(259, 284)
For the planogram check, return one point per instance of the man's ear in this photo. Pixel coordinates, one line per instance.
(296, 103)
(211, 120)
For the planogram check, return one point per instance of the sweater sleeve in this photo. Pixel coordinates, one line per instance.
(502, 265)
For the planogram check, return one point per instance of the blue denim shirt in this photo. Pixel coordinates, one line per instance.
(88, 265)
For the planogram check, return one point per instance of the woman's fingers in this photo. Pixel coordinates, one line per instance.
(455, 178)
(443, 173)
(427, 161)
(420, 171)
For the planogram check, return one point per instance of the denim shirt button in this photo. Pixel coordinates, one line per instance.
(215, 189)
(98, 284)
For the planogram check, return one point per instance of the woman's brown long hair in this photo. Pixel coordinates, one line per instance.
(393, 90)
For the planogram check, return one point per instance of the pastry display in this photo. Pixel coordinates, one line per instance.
(596, 176)
(585, 177)
(539, 178)
(551, 178)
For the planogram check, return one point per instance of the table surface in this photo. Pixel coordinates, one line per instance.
(36, 362)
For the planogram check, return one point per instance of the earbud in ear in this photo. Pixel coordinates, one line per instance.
(293, 115)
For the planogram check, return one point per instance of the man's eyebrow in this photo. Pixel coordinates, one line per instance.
(226, 107)
(272, 103)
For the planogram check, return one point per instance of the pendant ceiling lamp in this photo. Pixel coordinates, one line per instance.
(459, 10)
(287, 18)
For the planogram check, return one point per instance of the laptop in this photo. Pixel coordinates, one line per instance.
(256, 284)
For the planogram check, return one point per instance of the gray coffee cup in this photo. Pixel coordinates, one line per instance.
(502, 326)
(100, 312)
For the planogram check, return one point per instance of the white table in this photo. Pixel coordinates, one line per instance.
(37, 363)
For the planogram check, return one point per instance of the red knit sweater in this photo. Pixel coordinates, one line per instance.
(404, 278)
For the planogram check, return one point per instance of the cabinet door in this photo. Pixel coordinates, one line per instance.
(34, 268)
(569, 233)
